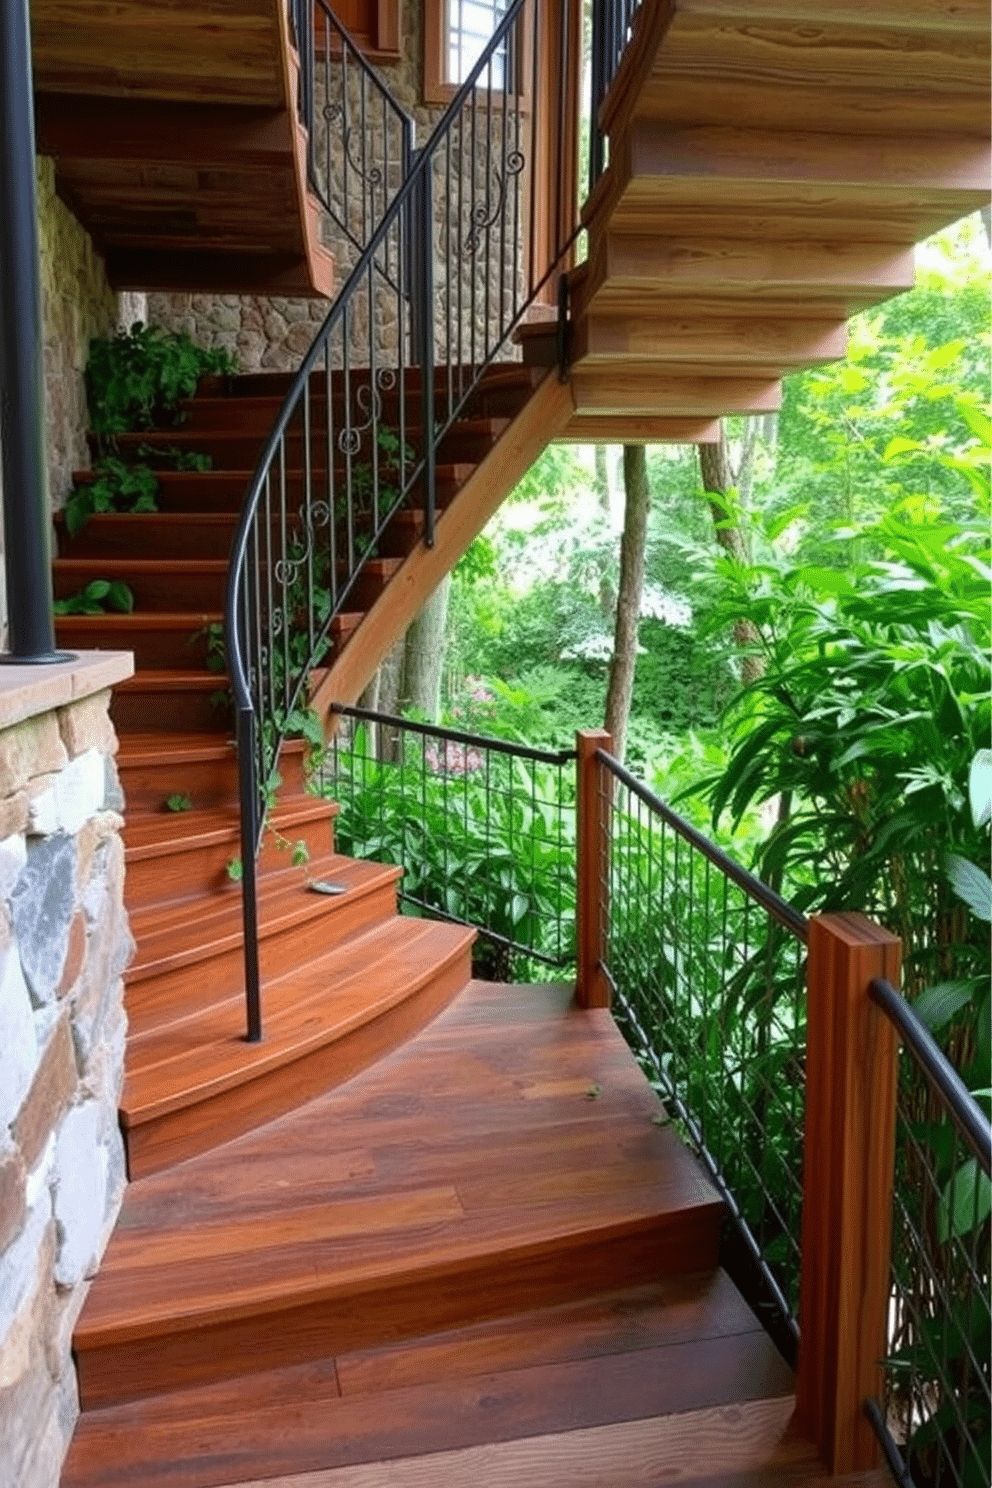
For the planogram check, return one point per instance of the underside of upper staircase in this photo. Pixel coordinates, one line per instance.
(177, 144)
(770, 168)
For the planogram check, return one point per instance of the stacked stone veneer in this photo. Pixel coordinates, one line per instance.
(64, 942)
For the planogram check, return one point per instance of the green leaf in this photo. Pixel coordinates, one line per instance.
(178, 801)
(938, 1004)
(235, 870)
(965, 1203)
(301, 854)
(972, 885)
(980, 787)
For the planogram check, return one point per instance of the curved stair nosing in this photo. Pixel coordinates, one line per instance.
(253, 1093)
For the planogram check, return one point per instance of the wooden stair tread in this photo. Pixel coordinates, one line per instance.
(167, 938)
(189, 1059)
(405, 1193)
(187, 830)
(623, 1357)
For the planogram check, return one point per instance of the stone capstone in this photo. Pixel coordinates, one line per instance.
(42, 906)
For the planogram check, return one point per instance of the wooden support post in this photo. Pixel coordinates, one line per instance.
(847, 1200)
(592, 839)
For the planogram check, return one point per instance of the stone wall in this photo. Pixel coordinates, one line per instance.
(77, 304)
(64, 943)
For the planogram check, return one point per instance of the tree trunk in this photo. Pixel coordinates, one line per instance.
(423, 656)
(637, 499)
(717, 479)
(607, 593)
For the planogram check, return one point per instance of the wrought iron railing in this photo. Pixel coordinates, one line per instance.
(483, 828)
(935, 1417)
(481, 224)
(359, 139)
(708, 966)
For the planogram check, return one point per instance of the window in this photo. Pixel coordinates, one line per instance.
(455, 35)
(470, 25)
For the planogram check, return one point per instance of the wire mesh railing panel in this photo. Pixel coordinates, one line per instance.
(710, 993)
(937, 1403)
(483, 829)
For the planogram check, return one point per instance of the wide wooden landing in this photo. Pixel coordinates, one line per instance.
(509, 1156)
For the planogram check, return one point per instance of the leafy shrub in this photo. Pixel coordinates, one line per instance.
(489, 841)
(136, 379)
(99, 596)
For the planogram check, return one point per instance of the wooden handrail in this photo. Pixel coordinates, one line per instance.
(592, 986)
(848, 1184)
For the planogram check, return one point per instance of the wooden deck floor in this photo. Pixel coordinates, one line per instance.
(487, 1256)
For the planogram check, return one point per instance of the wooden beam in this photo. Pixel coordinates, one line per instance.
(150, 132)
(726, 341)
(546, 412)
(908, 15)
(847, 1196)
(628, 267)
(641, 389)
(632, 428)
(592, 815)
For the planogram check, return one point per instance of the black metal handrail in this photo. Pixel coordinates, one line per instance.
(938, 1071)
(780, 909)
(361, 430)
(938, 1392)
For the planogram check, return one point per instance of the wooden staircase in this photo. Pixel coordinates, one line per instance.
(425, 1217)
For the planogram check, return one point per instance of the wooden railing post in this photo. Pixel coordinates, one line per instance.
(847, 1199)
(592, 988)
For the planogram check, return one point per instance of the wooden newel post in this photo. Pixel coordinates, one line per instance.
(847, 1199)
(592, 808)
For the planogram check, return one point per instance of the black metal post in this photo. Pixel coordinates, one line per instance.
(248, 788)
(27, 551)
(423, 304)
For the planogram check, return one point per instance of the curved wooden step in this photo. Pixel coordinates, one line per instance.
(468, 440)
(171, 584)
(186, 964)
(387, 1208)
(194, 1083)
(611, 1378)
(180, 856)
(158, 638)
(201, 767)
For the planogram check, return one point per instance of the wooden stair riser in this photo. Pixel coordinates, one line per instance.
(162, 1141)
(216, 969)
(173, 643)
(500, 380)
(417, 1305)
(257, 415)
(224, 492)
(234, 450)
(170, 584)
(208, 780)
(201, 705)
(178, 872)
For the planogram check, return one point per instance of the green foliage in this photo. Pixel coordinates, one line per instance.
(117, 487)
(493, 847)
(179, 801)
(136, 379)
(99, 597)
